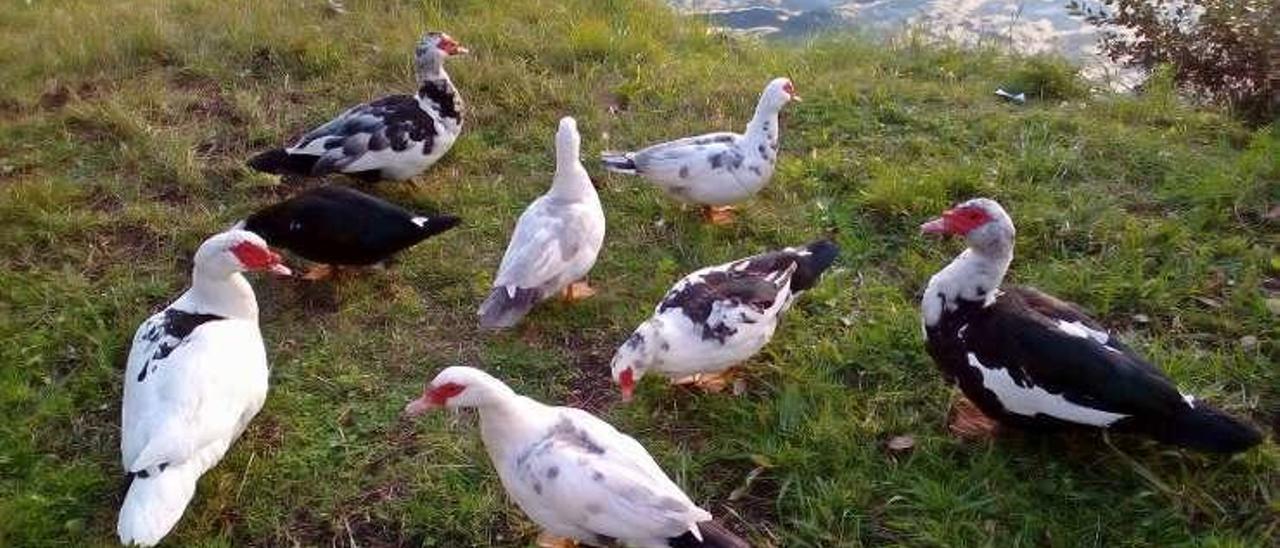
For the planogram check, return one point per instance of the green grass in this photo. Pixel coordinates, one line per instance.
(124, 125)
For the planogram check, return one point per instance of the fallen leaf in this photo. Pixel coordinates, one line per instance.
(899, 444)
(1248, 342)
(1211, 303)
(1141, 318)
(1274, 306)
(741, 491)
(1274, 214)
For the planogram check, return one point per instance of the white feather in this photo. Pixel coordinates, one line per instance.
(1032, 400)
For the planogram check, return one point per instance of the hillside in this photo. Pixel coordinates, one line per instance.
(123, 130)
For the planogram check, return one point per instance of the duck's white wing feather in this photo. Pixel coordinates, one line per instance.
(602, 481)
(690, 159)
(202, 391)
(548, 238)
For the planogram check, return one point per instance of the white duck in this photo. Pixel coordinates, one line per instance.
(718, 317)
(556, 240)
(572, 473)
(395, 137)
(197, 374)
(716, 169)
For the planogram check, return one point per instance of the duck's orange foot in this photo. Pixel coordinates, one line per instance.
(718, 215)
(966, 421)
(578, 291)
(318, 272)
(548, 540)
(708, 382)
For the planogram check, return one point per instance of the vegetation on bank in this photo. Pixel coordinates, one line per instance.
(124, 127)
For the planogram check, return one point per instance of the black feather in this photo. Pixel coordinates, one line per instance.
(334, 224)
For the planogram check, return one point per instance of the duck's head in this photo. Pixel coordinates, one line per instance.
(779, 92)
(238, 251)
(984, 225)
(439, 44)
(633, 358)
(432, 50)
(458, 387)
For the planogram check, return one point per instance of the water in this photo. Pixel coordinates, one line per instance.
(1024, 27)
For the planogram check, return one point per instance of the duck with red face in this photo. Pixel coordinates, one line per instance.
(1027, 359)
(573, 474)
(196, 375)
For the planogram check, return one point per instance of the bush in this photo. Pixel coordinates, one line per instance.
(1049, 78)
(1222, 51)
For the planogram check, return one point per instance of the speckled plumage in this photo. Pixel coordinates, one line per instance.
(394, 137)
(717, 168)
(722, 315)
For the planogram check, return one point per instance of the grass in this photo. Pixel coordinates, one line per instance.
(124, 125)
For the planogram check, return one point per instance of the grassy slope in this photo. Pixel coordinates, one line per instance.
(123, 126)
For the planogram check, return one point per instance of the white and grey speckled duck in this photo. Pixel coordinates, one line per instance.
(556, 241)
(573, 474)
(393, 138)
(196, 376)
(716, 169)
(719, 316)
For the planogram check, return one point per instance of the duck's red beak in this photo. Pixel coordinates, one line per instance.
(419, 406)
(627, 382)
(936, 226)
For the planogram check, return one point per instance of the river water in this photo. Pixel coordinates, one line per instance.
(1023, 27)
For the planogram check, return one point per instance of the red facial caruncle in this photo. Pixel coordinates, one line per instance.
(790, 89)
(440, 395)
(450, 46)
(958, 221)
(627, 382)
(256, 257)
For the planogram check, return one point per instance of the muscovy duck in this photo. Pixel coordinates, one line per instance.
(393, 138)
(196, 376)
(1027, 359)
(336, 225)
(718, 317)
(573, 474)
(716, 169)
(555, 244)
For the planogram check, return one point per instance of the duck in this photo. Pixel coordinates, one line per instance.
(718, 317)
(395, 138)
(337, 225)
(555, 243)
(196, 375)
(714, 170)
(1029, 360)
(576, 476)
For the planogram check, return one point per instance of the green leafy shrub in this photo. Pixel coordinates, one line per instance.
(1222, 51)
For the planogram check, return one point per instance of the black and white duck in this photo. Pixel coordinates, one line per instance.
(196, 375)
(393, 138)
(1027, 359)
(719, 316)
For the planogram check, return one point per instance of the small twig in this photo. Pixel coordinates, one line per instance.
(244, 478)
(351, 537)
(1152, 479)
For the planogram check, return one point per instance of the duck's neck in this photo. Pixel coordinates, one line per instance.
(975, 276)
(226, 294)
(763, 127)
(436, 93)
(508, 424)
(571, 182)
